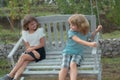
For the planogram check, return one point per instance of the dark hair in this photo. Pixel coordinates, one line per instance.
(26, 20)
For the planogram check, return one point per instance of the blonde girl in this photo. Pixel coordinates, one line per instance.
(77, 38)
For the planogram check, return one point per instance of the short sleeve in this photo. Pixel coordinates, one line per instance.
(41, 33)
(89, 34)
(24, 37)
(70, 34)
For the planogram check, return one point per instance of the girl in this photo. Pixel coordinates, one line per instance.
(77, 36)
(33, 38)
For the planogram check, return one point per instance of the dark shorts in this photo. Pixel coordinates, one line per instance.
(41, 52)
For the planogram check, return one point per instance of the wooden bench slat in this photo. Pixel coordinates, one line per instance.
(56, 67)
(56, 72)
(60, 56)
(57, 60)
(58, 63)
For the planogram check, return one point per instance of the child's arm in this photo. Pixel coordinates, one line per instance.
(96, 31)
(32, 48)
(27, 45)
(80, 41)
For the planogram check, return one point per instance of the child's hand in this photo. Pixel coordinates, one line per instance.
(96, 31)
(29, 49)
(93, 44)
(99, 28)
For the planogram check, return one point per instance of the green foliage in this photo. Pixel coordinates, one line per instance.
(71, 6)
(111, 10)
(114, 12)
(18, 7)
(0, 28)
(108, 9)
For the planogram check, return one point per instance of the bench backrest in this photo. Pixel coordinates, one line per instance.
(56, 28)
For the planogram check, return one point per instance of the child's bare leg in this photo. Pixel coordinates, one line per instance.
(21, 69)
(63, 73)
(20, 62)
(73, 71)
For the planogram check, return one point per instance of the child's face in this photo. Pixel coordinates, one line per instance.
(73, 27)
(32, 25)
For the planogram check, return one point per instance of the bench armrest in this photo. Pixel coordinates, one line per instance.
(10, 55)
(94, 50)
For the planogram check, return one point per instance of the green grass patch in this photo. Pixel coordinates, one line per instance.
(8, 36)
(4, 66)
(115, 34)
(111, 68)
(111, 60)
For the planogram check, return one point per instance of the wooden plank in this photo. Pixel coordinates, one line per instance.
(59, 18)
(58, 63)
(56, 67)
(93, 72)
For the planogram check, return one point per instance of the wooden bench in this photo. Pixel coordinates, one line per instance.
(56, 27)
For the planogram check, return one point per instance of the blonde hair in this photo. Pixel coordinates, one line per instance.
(26, 20)
(81, 22)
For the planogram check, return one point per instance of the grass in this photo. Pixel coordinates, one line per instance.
(4, 66)
(115, 34)
(111, 68)
(8, 36)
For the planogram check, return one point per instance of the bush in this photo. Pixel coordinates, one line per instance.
(71, 6)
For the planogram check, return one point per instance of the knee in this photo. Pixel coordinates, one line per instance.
(23, 57)
(26, 62)
(73, 65)
(63, 70)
